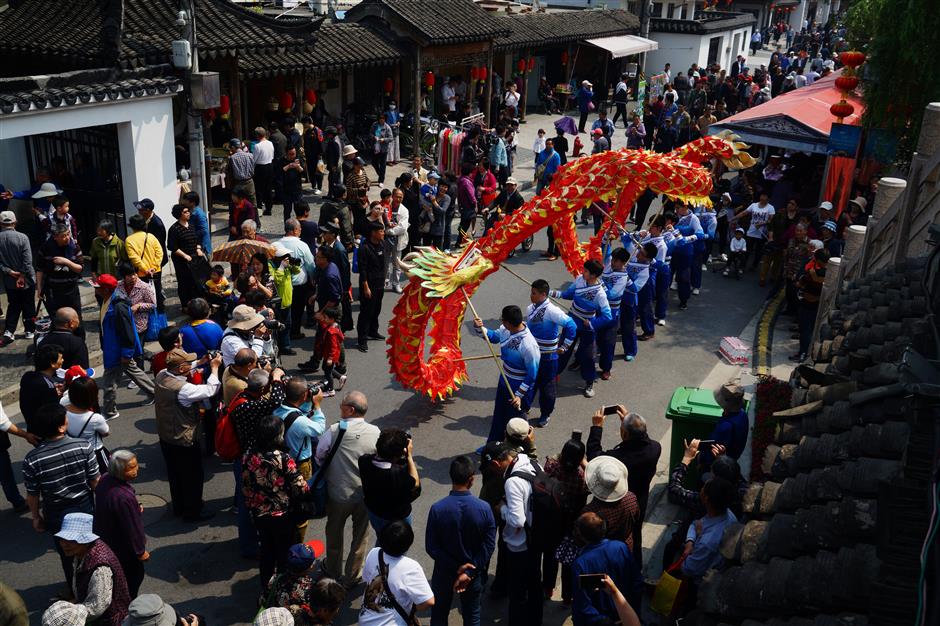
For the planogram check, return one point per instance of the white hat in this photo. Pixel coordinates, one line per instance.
(7, 217)
(517, 428)
(77, 527)
(512, 181)
(280, 251)
(349, 149)
(606, 478)
(587, 83)
(63, 613)
(739, 230)
(275, 616)
(825, 206)
(46, 190)
(815, 244)
(726, 196)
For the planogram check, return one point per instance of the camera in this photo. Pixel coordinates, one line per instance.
(264, 361)
(315, 388)
(211, 354)
(273, 325)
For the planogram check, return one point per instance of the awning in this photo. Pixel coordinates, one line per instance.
(624, 45)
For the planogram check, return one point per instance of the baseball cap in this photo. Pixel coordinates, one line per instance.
(512, 181)
(825, 206)
(178, 356)
(433, 174)
(7, 217)
(107, 281)
(146, 204)
(492, 451)
(597, 131)
(76, 371)
(517, 428)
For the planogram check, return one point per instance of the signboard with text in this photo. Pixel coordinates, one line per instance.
(844, 140)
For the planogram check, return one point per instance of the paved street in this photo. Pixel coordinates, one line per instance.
(197, 568)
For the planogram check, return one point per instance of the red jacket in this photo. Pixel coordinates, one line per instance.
(329, 342)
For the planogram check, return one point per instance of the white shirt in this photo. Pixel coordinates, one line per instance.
(5, 422)
(511, 99)
(190, 394)
(449, 96)
(517, 511)
(738, 245)
(406, 581)
(264, 152)
(96, 428)
(760, 217)
(232, 343)
(539, 145)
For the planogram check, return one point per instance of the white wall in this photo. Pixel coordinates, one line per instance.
(682, 50)
(145, 141)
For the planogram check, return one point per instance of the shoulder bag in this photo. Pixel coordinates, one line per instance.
(410, 618)
(318, 482)
(102, 454)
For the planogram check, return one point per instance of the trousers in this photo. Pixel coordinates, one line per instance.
(442, 584)
(379, 161)
(663, 280)
(525, 592)
(503, 411)
(606, 342)
(645, 306)
(8, 480)
(264, 186)
(545, 385)
(247, 535)
(289, 199)
(584, 354)
(336, 515)
(369, 311)
(185, 475)
(628, 315)
(682, 270)
(20, 301)
(276, 534)
(114, 376)
(695, 276)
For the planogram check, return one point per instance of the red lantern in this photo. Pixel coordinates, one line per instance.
(474, 73)
(388, 85)
(842, 109)
(429, 80)
(310, 95)
(531, 64)
(520, 65)
(225, 104)
(852, 58)
(287, 101)
(564, 58)
(483, 73)
(846, 83)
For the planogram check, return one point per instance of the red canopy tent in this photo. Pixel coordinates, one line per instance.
(798, 120)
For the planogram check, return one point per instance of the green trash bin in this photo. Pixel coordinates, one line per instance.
(694, 413)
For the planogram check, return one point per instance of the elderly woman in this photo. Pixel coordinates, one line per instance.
(141, 294)
(99, 578)
(249, 231)
(118, 519)
(310, 598)
(183, 245)
(271, 483)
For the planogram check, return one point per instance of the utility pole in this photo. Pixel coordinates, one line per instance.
(646, 11)
(197, 146)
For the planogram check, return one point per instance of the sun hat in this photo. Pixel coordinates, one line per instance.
(7, 217)
(517, 428)
(860, 202)
(606, 478)
(275, 616)
(830, 225)
(825, 205)
(178, 356)
(77, 527)
(63, 613)
(815, 244)
(349, 149)
(730, 396)
(280, 251)
(244, 318)
(149, 609)
(434, 174)
(46, 190)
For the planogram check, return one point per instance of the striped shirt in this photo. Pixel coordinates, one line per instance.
(60, 471)
(242, 165)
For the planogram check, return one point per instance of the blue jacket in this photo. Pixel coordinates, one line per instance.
(616, 286)
(552, 162)
(708, 220)
(119, 338)
(614, 559)
(329, 285)
(588, 302)
(201, 223)
(201, 336)
(731, 431)
(461, 529)
(545, 320)
(520, 354)
(584, 96)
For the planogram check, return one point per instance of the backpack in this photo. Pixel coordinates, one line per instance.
(289, 421)
(226, 439)
(550, 503)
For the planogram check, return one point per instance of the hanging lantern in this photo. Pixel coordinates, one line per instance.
(310, 96)
(483, 73)
(287, 101)
(474, 73)
(387, 86)
(846, 83)
(225, 104)
(564, 57)
(842, 110)
(520, 65)
(531, 64)
(852, 58)
(429, 80)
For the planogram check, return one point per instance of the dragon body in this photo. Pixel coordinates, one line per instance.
(440, 283)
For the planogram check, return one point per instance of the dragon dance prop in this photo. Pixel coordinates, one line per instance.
(441, 284)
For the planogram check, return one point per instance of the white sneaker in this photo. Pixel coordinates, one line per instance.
(704, 267)
(381, 186)
(396, 288)
(674, 286)
(726, 273)
(132, 385)
(589, 391)
(340, 382)
(112, 416)
(695, 292)
(724, 257)
(328, 393)
(661, 323)
(30, 335)
(317, 192)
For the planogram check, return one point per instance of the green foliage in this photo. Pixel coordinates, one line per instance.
(898, 81)
(860, 22)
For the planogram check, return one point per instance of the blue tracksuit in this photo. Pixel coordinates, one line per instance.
(630, 306)
(520, 355)
(545, 320)
(591, 311)
(683, 254)
(617, 286)
(658, 270)
(709, 223)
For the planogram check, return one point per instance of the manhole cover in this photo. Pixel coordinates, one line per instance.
(154, 507)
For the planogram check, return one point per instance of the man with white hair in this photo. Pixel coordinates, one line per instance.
(636, 451)
(300, 282)
(19, 278)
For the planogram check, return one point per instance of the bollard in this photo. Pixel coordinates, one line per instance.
(889, 189)
(854, 240)
(929, 140)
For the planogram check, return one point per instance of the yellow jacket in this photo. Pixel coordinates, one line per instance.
(144, 251)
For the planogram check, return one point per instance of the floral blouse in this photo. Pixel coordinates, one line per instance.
(142, 293)
(292, 591)
(269, 481)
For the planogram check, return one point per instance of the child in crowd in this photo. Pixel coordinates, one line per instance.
(168, 338)
(737, 253)
(218, 286)
(539, 144)
(329, 349)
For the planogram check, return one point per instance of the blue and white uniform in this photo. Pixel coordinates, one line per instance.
(545, 321)
(709, 223)
(591, 311)
(520, 355)
(688, 230)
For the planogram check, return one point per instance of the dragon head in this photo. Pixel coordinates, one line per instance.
(441, 273)
(724, 146)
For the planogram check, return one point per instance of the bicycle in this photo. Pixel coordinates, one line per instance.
(427, 140)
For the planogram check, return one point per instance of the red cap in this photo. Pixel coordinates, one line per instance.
(598, 131)
(76, 371)
(108, 281)
(317, 546)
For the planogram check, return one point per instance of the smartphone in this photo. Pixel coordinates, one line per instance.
(592, 582)
(610, 409)
(576, 435)
(706, 442)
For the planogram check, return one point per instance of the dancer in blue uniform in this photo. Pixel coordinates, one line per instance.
(657, 287)
(686, 231)
(639, 272)
(520, 355)
(617, 284)
(709, 223)
(545, 321)
(591, 311)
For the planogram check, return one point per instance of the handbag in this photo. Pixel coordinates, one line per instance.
(410, 618)
(591, 106)
(567, 551)
(671, 590)
(102, 454)
(156, 321)
(318, 481)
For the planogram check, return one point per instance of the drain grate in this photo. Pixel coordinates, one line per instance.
(154, 507)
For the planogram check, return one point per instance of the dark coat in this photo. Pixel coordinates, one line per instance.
(639, 455)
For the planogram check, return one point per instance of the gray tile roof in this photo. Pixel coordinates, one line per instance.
(704, 22)
(543, 29)
(435, 21)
